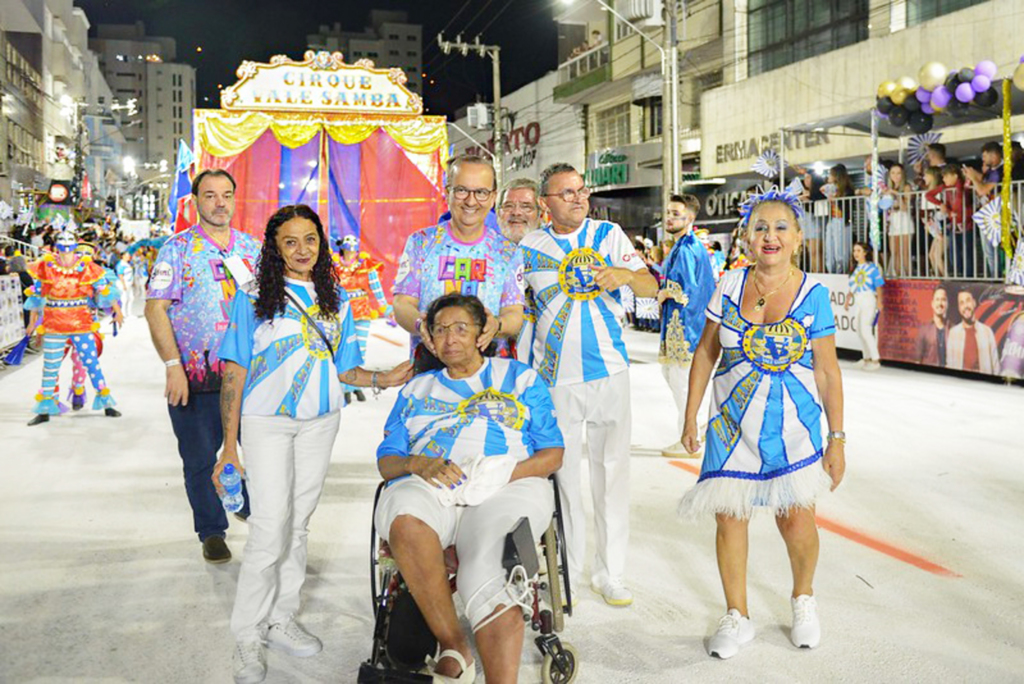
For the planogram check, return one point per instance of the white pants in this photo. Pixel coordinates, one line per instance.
(678, 379)
(285, 466)
(127, 297)
(602, 407)
(867, 308)
(478, 532)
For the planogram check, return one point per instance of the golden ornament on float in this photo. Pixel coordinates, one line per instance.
(899, 96)
(932, 75)
(886, 89)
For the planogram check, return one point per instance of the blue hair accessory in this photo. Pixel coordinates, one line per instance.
(772, 194)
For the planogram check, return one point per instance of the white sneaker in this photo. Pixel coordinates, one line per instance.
(292, 639)
(250, 662)
(676, 450)
(872, 365)
(806, 631)
(613, 592)
(734, 630)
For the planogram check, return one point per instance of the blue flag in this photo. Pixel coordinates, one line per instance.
(182, 183)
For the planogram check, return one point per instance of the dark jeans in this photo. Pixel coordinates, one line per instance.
(200, 434)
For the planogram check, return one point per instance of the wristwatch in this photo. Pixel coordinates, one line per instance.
(837, 435)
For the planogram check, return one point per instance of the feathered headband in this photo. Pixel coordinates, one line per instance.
(772, 194)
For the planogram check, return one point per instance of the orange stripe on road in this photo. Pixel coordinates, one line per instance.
(388, 340)
(859, 537)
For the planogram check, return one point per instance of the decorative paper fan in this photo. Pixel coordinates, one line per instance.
(918, 146)
(882, 175)
(796, 186)
(989, 221)
(767, 164)
(647, 308)
(5, 211)
(1015, 273)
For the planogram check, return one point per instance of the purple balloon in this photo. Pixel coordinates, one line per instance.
(924, 96)
(964, 92)
(980, 83)
(941, 97)
(986, 68)
(927, 108)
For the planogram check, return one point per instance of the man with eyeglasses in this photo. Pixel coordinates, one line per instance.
(462, 255)
(575, 266)
(518, 215)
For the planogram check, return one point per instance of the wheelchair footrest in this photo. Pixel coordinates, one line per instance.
(368, 674)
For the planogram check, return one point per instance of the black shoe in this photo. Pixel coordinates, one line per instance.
(244, 517)
(112, 413)
(77, 402)
(360, 396)
(348, 398)
(215, 550)
(41, 418)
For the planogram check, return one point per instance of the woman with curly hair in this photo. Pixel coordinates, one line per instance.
(290, 344)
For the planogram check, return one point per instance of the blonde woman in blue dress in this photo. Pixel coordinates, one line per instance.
(771, 332)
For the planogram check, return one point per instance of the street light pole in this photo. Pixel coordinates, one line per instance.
(492, 51)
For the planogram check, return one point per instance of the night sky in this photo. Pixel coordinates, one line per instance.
(230, 31)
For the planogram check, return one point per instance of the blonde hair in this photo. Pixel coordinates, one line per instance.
(748, 234)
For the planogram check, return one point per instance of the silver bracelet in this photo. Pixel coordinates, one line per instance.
(172, 363)
(373, 383)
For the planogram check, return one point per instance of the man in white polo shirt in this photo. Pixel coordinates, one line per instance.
(575, 267)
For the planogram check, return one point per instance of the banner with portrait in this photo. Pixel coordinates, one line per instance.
(12, 321)
(956, 324)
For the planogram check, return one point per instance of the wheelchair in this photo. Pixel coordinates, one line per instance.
(402, 642)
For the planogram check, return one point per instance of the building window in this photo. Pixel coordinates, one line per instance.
(611, 127)
(920, 11)
(410, 53)
(121, 58)
(781, 32)
(393, 53)
(410, 38)
(652, 118)
(393, 36)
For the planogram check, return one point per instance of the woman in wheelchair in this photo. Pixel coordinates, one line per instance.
(466, 454)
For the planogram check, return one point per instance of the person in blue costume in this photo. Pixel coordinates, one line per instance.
(689, 283)
(866, 282)
(771, 332)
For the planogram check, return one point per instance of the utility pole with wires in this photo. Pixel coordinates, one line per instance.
(491, 51)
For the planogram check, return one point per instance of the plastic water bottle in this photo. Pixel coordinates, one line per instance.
(232, 483)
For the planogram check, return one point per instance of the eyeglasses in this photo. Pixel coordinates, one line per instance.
(524, 207)
(459, 329)
(570, 195)
(481, 194)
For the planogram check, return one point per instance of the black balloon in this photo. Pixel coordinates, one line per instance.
(898, 116)
(957, 108)
(966, 75)
(884, 105)
(921, 122)
(986, 98)
(912, 104)
(952, 82)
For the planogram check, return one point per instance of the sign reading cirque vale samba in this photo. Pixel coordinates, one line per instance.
(322, 82)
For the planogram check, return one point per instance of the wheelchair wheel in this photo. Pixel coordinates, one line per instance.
(550, 672)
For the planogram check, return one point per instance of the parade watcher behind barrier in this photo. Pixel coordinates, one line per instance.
(838, 235)
(934, 219)
(958, 209)
(290, 344)
(901, 227)
(773, 329)
(985, 186)
(466, 453)
(193, 281)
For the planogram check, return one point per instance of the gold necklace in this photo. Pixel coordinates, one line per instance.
(759, 304)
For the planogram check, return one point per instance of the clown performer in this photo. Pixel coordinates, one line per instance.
(359, 275)
(66, 286)
(689, 283)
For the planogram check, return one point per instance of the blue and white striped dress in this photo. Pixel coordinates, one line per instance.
(765, 442)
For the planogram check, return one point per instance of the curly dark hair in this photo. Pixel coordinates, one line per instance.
(271, 299)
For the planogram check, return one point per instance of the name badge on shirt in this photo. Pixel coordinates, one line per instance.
(238, 270)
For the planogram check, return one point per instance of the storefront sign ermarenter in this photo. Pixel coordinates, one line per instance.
(749, 149)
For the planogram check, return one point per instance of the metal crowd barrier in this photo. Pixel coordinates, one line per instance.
(919, 237)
